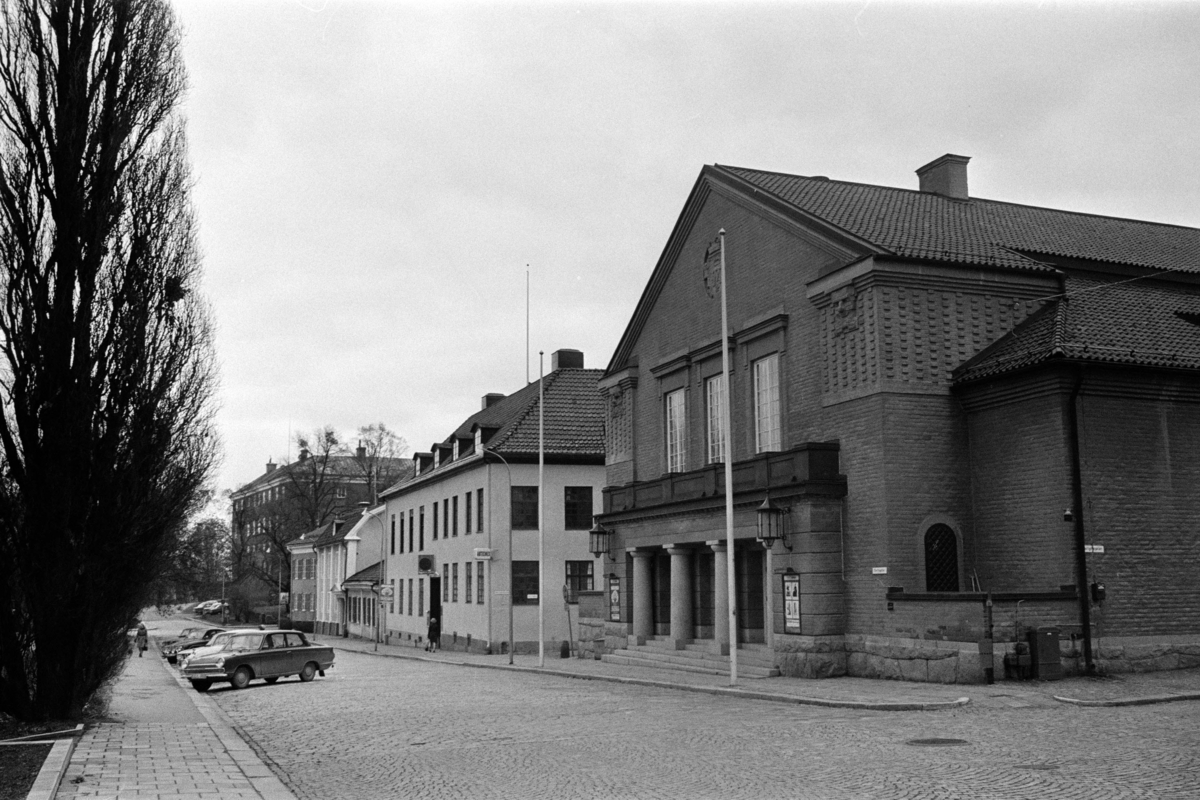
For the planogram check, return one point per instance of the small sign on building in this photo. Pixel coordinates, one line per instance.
(614, 599)
(791, 603)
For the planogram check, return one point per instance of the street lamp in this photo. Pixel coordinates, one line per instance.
(507, 469)
(379, 586)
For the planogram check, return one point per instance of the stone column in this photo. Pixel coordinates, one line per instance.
(643, 608)
(720, 599)
(681, 595)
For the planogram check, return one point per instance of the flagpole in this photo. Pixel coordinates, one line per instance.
(541, 509)
(728, 426)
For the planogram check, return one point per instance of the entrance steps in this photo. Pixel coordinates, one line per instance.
(754, 660)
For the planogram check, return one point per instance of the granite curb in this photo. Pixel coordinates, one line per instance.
(1130, 701)
(722, 691)
(50, 776)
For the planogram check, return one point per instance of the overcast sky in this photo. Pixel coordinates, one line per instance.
(373, 178)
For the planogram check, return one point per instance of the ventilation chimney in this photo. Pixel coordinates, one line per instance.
(566, 359)
(946, 176)
(270, 467)
(360, 452)
(490, 400)
(304, 454)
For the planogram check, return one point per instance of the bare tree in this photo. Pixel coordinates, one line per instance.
(382, 450)
(315, 477)
(106, 366)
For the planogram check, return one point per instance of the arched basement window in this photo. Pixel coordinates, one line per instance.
(941, 559)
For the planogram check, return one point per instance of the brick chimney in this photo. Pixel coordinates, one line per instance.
(946, 176)
(490, 400)
(566, 359)
(270, 466)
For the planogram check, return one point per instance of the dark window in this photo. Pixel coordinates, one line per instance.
(422, 527)
(410, 532)
(454, 516)
(467, 596)
(446, 518)
(525, 583)
(577, 507)
(434, 511)
(579, 578)
(525, 507)
(402, 531)
(941, 559)
(467, 513)
(410, 597)
(454, 582)
(393, 534)
(479, 510)
(445, 583)
(479, 582)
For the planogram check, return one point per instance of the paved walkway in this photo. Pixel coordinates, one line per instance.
(164, 740)
(1130, 689)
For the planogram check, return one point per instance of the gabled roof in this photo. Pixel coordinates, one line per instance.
(1131, 323)
(365, 575)
(335, 530)
(864, 219)
(574, 421)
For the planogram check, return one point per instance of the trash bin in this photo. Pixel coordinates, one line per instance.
(1045, 654)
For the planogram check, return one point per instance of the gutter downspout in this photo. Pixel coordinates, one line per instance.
(1085, 610)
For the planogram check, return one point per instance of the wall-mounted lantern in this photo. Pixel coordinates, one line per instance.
(599, 538)
(773, 523)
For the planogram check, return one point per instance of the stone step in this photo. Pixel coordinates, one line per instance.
(757, 655)
(708, 661)
(631, 659)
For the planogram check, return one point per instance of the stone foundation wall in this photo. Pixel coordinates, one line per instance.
(1141, 654)
(599, 636)
(931, 661)
(810, 656)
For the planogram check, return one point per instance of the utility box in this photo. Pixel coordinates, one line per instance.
(1045, 654)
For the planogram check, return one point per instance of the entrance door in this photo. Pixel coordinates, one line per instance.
(435, 598)
(749, 574)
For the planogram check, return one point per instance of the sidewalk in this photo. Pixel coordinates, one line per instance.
(861, 693)
(164, 740)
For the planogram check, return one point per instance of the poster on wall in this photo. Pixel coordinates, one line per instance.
(791, 603)
(614, 599)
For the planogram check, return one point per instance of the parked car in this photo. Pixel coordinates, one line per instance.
(207, 607)
(242, 656)
(200, 637)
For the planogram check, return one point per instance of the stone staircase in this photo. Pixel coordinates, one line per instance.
(754, 660)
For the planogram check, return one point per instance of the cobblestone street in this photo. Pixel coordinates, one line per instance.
(384, 727)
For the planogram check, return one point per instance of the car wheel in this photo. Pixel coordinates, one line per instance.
(309, 671)
(270, 680)
(201, 686)
(241, 678)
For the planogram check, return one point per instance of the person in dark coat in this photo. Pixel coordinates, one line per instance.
(435, 634)
(140, 641)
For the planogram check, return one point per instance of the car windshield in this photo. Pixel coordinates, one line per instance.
(189, 633)
(245, 641)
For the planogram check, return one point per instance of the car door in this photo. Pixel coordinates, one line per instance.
(292, 659)
(272, 658)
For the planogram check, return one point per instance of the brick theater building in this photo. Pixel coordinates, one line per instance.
(969, 416)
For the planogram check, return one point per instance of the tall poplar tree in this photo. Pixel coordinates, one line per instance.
(106, 364)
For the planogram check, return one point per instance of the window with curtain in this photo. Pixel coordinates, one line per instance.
(767, 426)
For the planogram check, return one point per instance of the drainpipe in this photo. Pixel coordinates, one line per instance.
(1085, 610)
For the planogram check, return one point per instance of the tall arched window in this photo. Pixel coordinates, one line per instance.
(941, 559)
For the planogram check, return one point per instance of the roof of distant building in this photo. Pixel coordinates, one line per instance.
(346, 467)
(366, 574)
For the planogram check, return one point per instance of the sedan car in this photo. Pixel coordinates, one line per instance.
(242, 656)
(173, 651)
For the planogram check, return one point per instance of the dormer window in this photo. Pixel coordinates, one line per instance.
(478, 438)
(454, 451)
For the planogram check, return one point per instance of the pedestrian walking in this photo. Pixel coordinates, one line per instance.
(435, 634)
(140, 640)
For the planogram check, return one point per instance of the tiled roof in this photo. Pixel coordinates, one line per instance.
(1133, 323)
(922, 225)
(574, 420)
(366, 574)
